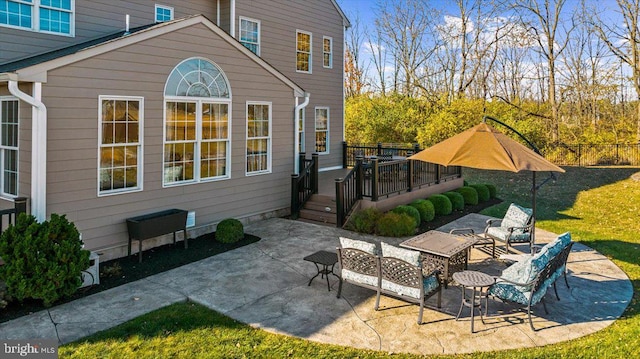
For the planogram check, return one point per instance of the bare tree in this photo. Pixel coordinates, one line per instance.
(379, 59)
(623, 40)
(545, 19)
(355, 71)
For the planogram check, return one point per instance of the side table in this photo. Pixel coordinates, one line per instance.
(475, 281)
(326, 259)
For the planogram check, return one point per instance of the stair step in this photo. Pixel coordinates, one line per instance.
(319, 198)
(316, 222)
(321, 207)
(318, 216)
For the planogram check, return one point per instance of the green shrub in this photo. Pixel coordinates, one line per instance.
(410, 211)
(441, 204)
(4, 296)
(43, 261)
(457, 201)
(483, 192)
(364, 221)
(393, 224)
(425, 208)
(229, 230)
(493, 191)
(469, 194)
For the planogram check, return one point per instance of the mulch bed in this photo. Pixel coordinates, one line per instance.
(120, 271)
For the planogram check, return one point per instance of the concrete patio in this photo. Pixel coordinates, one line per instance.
(265, 285)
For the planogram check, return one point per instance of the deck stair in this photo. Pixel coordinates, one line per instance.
(320, 209)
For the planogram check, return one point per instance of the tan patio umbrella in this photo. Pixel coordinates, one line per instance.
(484, 147)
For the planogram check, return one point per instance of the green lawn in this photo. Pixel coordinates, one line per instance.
(600, 206)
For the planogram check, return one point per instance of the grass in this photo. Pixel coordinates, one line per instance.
(599, 206)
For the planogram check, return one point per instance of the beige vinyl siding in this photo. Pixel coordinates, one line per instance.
(71, 95)
(279, 20)
(97, 18)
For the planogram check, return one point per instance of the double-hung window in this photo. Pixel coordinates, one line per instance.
(52, 16)
(258, 137)
(9, 146)
(120, 133)
(301, 130)
(322, 129)
(303, 51)
(327, 52)
(164, 13)
(197, 124)
(250, 34)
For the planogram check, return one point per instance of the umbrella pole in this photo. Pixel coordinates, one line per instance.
(533, 209)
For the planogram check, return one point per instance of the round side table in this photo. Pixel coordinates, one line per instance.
(476, 281)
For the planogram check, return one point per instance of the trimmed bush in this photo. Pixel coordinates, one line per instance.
(469, 194)
(493, 191)
(413, 212)
(364, 221)
(229, 230)
(457, 201)
(441, 204)
(425, 208)
(483, 192)
(393, 224)
(43, 261)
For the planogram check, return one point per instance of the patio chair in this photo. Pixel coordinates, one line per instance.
(515, 227)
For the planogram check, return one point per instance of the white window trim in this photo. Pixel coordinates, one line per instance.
(315, 115)
(301, 130)
(35, 21)
(2, 193)
(196, 170)
(259, 43)
(330, 52)
(269, 138)
(310, 52)
(164, 7)
(140, 182)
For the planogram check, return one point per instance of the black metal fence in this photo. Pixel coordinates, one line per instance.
(593, 155)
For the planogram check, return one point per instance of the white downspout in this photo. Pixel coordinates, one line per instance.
(296, 142)
(38, 148)
(232, 21)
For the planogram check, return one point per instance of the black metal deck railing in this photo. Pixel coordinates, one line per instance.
(304, 184)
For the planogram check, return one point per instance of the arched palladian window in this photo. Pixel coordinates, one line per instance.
(196, 131)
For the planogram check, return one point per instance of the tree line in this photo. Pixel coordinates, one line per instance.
(558, 71)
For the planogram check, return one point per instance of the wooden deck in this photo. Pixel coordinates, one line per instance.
(327, 181)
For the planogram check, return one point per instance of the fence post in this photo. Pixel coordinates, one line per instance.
(579, 155)
(344, 154)
(375, 177)
(359, 176)
(409, 175)
(416, 148)
(301, 157)
(295, 196)
(339, 202)
(379, 149)
(438, 173)
(314, 172)
(20, 205)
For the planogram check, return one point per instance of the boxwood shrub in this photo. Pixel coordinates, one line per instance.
(413, 212)
(483, 192)
(469, 194)
(441, 204)
(393, 224)
(493, 191)
(364, 221)
(229, 230)
(457, 201)
(425, 208)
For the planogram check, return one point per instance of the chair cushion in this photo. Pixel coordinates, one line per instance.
(430, 283)
(407, 255)
(558, 244)
(516, 216)
(352, 276)
(501, 234)
(514, 293)
(361, 245)
(519, 271)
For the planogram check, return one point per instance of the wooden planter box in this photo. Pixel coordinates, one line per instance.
(156, 224)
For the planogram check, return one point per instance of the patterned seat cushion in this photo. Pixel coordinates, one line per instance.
(430, 283)
(361, 245)
(558, 244)
(514, 293)
(407, 255)
(516, 216)
(501, 233)
(352, 276)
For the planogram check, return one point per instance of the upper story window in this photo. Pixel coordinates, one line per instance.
(303, 51)
(250, 34)
(51, 16)
(9, 146)
(164, 13)
(197, 123)
(120, 166)
(258, 137)
(327, 52)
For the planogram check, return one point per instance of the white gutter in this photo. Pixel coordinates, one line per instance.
(38, 147)
(296, 142)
